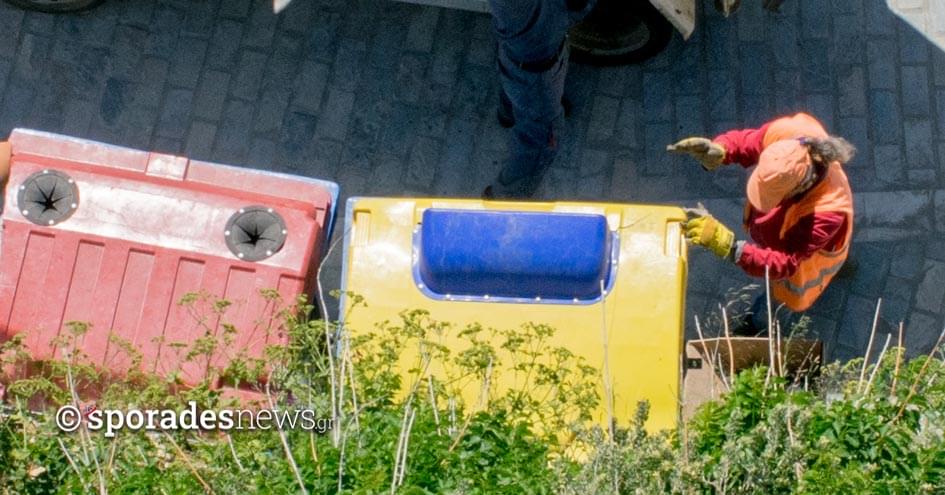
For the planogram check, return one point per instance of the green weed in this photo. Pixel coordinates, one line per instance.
(414, 434)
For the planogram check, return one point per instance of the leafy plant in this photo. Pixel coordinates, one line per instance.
(413, 432)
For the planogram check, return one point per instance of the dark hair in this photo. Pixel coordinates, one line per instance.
(830, 149)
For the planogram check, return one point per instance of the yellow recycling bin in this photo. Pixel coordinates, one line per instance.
(505, 264)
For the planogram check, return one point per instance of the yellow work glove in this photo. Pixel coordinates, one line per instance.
(710, 155)
(709, 233)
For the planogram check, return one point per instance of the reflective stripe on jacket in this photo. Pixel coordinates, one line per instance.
(799, 291)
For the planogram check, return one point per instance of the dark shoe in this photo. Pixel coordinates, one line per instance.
(487, 194)
(505, 119)
(754, 322)
(504, 113)
(566, 105)
(745, 327)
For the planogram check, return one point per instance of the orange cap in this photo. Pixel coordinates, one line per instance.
(781, 167)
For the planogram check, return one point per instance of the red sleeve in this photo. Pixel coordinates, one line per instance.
(812, 233)
(743, 146)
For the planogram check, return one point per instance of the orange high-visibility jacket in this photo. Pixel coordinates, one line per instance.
(832, 194)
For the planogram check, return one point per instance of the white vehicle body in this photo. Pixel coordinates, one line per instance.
(681, 13)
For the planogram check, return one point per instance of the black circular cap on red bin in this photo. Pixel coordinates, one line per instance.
(47, 197)
(255, 233)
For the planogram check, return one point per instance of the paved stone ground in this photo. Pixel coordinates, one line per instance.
(397, 99)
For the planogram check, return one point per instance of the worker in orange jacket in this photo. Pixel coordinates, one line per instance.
(799, 213)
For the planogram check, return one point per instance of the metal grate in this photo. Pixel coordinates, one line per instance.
(48, 197)
(255, 233)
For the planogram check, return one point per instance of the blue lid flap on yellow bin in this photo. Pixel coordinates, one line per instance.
(495, 255)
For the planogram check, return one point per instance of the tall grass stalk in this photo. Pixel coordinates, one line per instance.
(187, 460)
(608, 386)
(869, 346)
(711, 358)
(403, 442)
(915, 382)
(73, 465)
(83, 430)
(728, 340)
(236, 458)
(879, 362)
(770, 325)
(899, 350)
(433, 406)
(285, 443)
(336, 435)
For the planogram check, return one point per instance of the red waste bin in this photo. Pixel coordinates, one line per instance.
(116, 237)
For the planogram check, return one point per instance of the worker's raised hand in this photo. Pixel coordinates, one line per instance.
(710, 155)
(709, 233)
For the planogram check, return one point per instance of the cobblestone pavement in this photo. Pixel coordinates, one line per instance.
(396, 99)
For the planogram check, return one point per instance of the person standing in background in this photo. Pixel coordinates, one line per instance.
(533, 64)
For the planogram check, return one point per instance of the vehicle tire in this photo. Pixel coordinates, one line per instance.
(619, 32)
(55, 6)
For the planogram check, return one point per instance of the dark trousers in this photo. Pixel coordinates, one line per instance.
(535, 98)
(759, 317)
